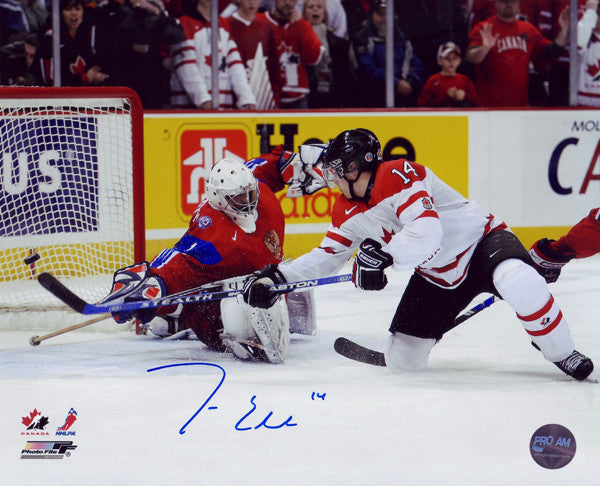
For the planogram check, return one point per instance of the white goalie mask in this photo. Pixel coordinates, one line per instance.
(232, 188)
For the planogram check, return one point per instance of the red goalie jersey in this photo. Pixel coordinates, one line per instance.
(215, 248)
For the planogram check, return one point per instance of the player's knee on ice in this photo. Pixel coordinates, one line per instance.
(407, 353)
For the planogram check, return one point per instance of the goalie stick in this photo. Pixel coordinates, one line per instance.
(55, 287)
(355, 351)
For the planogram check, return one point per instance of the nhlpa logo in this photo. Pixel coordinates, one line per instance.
(200, 150)
(69, 421)
(35, 423)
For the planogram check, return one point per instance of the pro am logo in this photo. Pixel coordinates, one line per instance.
(200, 150)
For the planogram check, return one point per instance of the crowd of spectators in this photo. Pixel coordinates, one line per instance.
(287, 54)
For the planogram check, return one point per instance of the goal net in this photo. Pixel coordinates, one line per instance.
(71, 191)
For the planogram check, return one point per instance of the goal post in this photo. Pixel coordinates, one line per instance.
(71, 190)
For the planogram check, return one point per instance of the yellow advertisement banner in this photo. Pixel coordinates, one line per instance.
(181, 148)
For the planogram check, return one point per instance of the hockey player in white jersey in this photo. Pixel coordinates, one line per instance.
(399, 214)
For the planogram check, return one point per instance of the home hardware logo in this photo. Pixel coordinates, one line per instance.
(47, 449)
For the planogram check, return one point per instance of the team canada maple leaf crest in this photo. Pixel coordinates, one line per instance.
(387, 236)
(32, 422)
(593, 70)
(78, 67)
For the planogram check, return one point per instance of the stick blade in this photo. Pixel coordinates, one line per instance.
(56, 288)
(355, 351)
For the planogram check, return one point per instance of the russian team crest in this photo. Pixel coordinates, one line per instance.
(273, 244)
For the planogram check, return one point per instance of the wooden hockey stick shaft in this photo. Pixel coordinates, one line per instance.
(36, 340)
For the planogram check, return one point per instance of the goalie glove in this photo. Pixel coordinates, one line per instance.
(135, 283)
(546, 261)
(257, 292)
(368, 271)
(302, 172)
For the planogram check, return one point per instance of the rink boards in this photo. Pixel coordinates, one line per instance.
(536, 169)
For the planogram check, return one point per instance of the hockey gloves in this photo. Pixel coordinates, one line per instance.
(301, 172)
(132, 284)
(547, 262)
(368, 271)
(257, 291)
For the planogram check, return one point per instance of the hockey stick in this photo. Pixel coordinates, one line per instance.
(55, 287)
(36, 340)
(355, 351)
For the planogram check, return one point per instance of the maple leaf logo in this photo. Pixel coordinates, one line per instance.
(387, 236)
(78, 67)
(593, 70)
(26, 421)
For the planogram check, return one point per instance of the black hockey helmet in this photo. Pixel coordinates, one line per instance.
(355, 150)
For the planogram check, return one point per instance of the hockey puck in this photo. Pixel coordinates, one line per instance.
(33, 342)
(32, 259)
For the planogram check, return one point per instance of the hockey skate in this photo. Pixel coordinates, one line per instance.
(576, 365)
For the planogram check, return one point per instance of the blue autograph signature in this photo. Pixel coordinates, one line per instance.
(240, 423)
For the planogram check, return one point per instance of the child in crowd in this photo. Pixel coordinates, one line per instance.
(448, 88)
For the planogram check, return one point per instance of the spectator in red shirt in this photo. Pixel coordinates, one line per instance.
(448, 88)
(501, 47)
(297, 47)
(253, 34)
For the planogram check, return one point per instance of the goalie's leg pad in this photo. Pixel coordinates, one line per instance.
(253, 333)
(527, 293)
(302, 313)
(407, 353)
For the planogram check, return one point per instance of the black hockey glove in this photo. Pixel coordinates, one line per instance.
(257, 292)
(368, 271)
(546, 261)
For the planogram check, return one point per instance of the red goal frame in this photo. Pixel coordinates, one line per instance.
(137, 143)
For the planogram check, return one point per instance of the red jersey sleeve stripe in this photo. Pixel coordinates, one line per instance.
(339, 239)
(416, 196)
(428, 214)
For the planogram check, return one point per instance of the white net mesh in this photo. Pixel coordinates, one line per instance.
(66, 195)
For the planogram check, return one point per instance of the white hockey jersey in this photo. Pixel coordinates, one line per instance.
(588, 47)
(191, 78)
(421, 221)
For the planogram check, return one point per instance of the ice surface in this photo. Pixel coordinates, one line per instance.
(467, 419)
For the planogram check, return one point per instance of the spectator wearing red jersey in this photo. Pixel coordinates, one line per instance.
(448, 88)
(501, 47)
(297, 47)
(253, 34)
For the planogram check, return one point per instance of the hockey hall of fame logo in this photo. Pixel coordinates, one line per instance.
(552, 446)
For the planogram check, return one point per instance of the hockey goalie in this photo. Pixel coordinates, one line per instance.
(237, 229)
